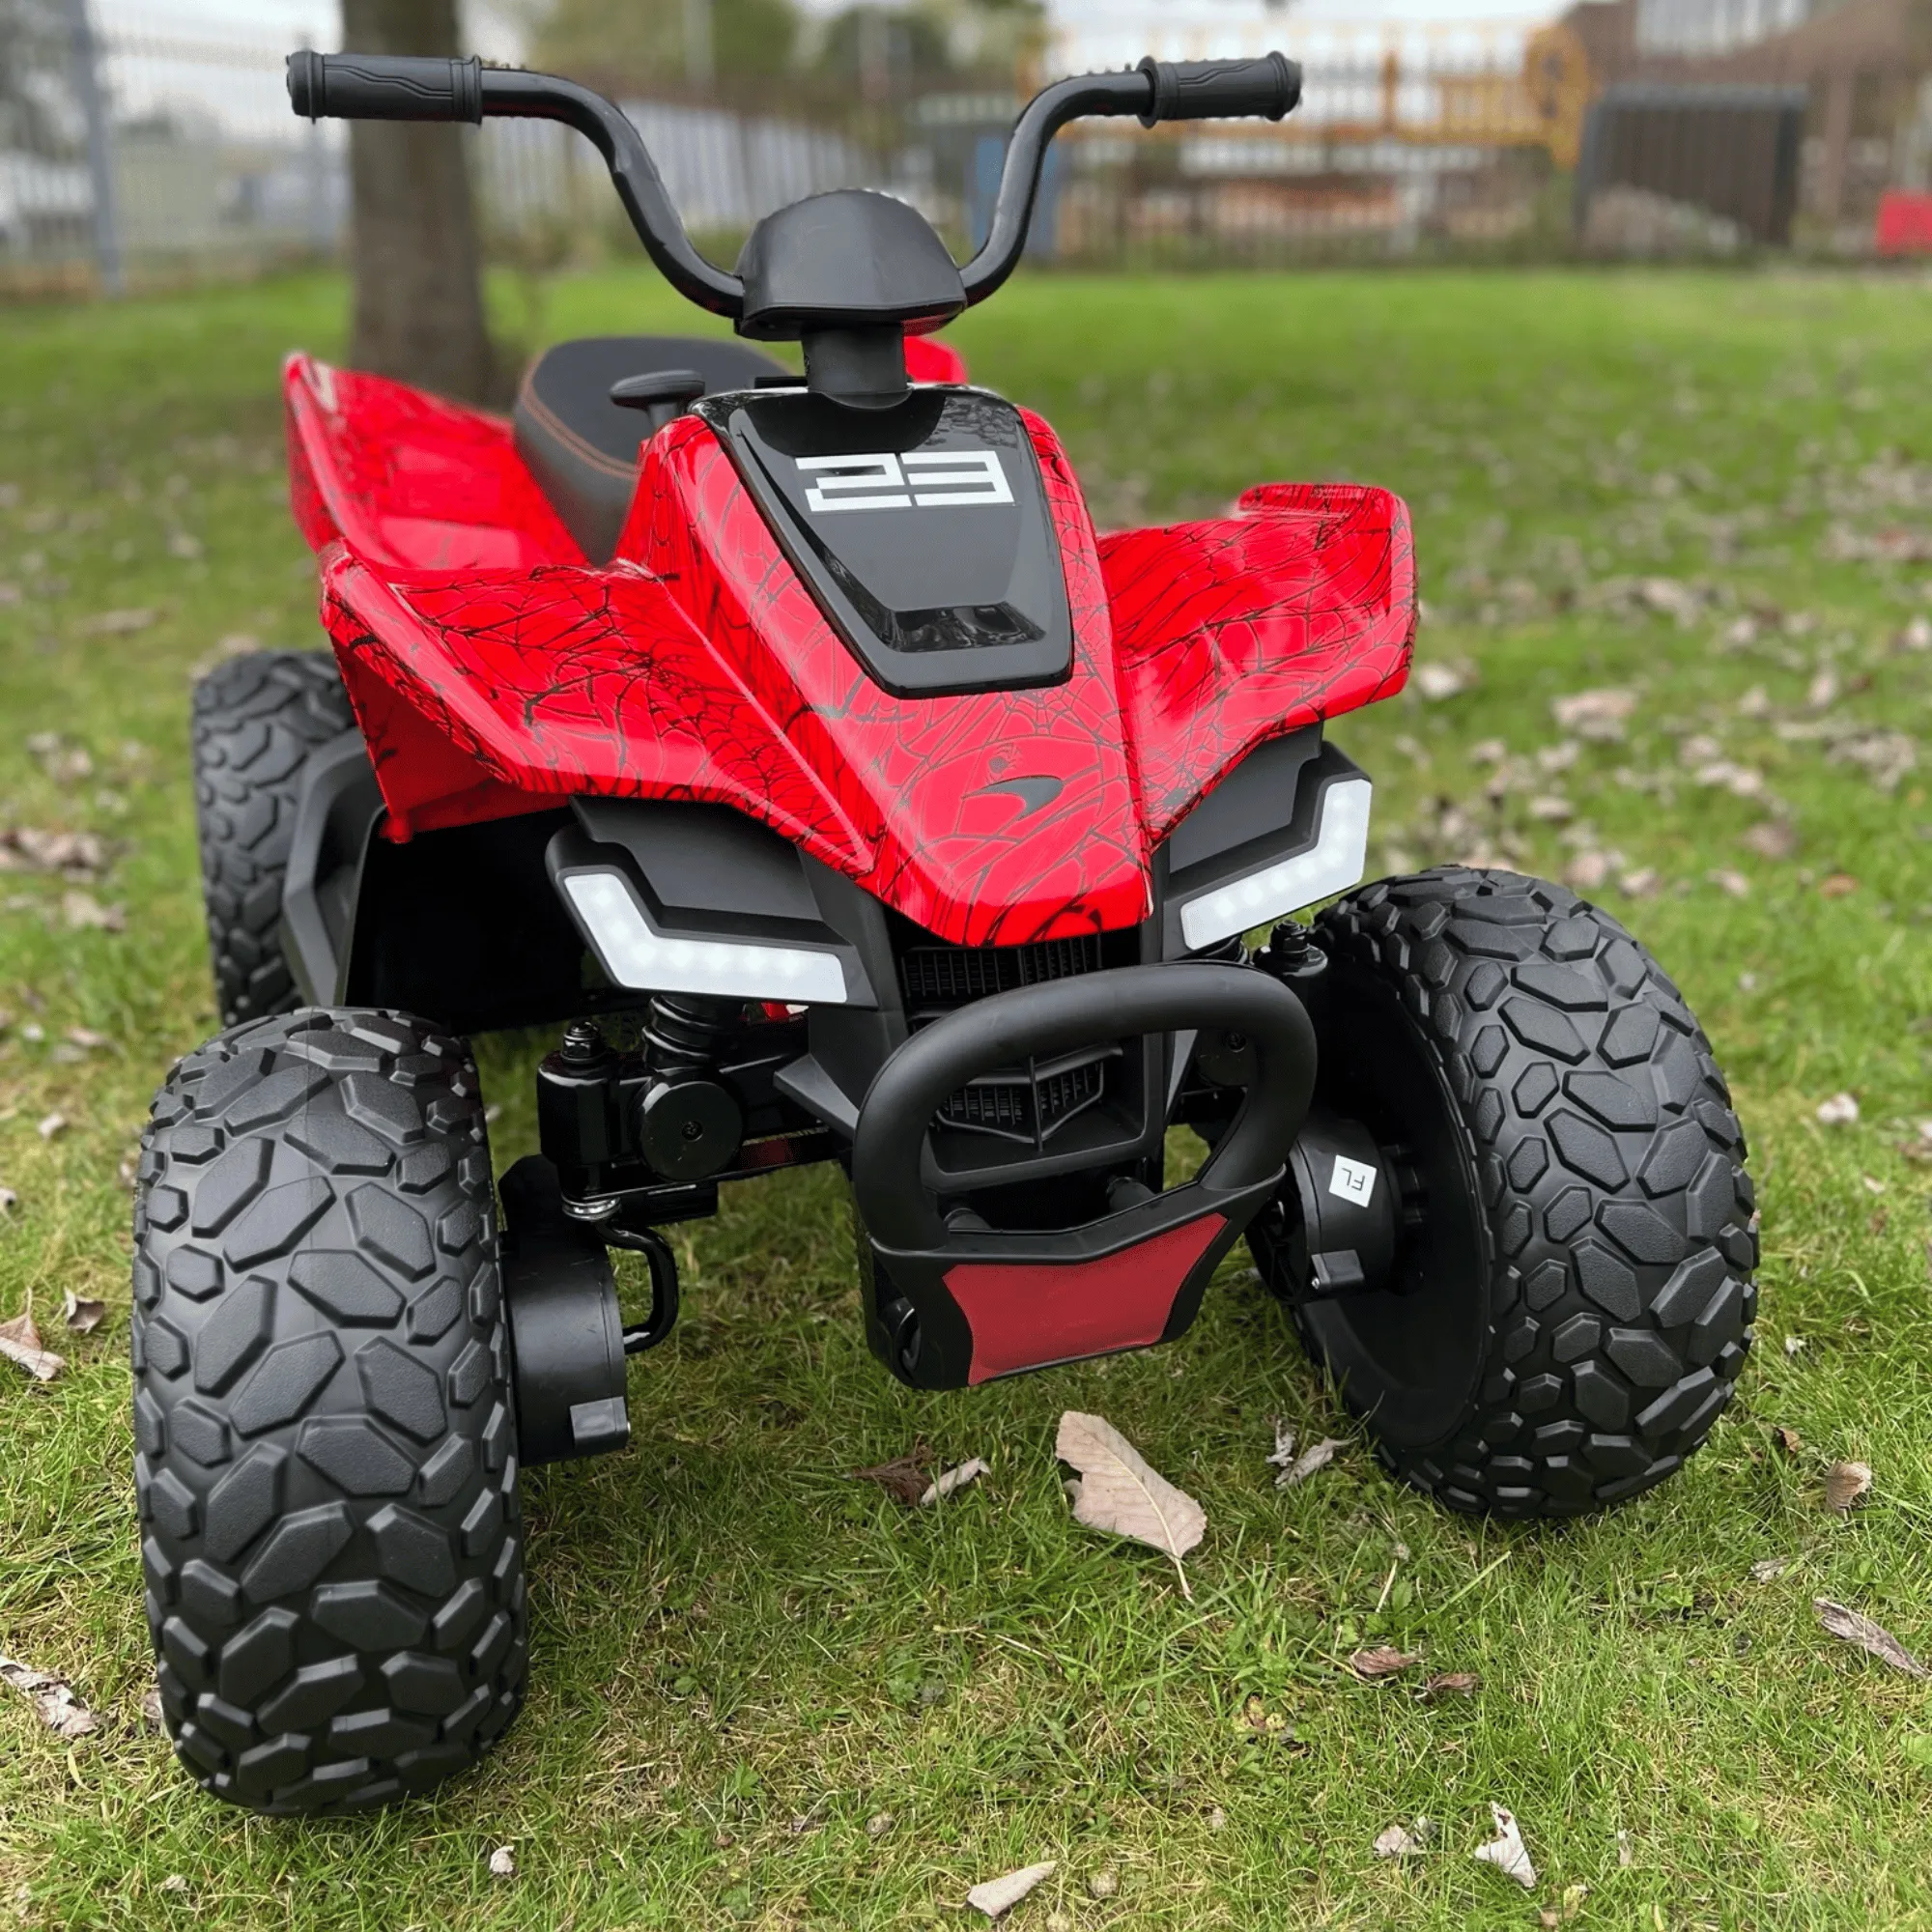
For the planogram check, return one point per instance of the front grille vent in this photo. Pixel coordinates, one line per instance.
(1031, 1105)
(937, 979)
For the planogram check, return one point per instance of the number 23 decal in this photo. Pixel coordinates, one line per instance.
(927, 479)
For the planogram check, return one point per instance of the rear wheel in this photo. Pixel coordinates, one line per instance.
(256, 720)
(1571, 1295)
(327, 1471)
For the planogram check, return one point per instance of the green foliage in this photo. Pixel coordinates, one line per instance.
(766, 1694)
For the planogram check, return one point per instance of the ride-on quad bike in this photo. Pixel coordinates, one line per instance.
(840, 797)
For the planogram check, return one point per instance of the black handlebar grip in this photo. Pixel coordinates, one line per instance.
(385, 87)
(1215, 90)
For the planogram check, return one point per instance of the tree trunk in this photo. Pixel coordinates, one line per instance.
(414, 254)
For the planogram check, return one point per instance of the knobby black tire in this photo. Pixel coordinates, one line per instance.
(1614, 1224)
(327, 1471)
(256, 720)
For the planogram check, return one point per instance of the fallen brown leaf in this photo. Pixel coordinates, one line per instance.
(114, 623)
(996, 1895)
(1308, 1462)
(1121, 1494)
(1506, 1851)
(1841, 1110)
(1382, 1661)
(1852, 1626)
(1773, 838)
(949, 1481)
(20, 1342)
(53, 1699)
(903, 1477)
(1602, 715)
(1845, 1482)
(1768, 1569)
(51, 1125)
(1787, 1439)
(1450, 1684)
(152, 1713)
(83, 1317)
(1402, 1842)
(81, 911)
(504, 1862)
(1836, 886)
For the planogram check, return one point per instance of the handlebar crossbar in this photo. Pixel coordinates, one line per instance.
(371, 87)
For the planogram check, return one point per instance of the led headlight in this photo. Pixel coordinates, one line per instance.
(1337, 859)
(635, 954)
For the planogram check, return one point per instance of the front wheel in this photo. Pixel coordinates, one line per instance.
(327, 1471)
(1570, 1294)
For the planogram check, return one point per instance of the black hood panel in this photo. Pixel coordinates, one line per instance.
(923, 531)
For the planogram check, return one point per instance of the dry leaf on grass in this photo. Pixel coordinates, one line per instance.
(1794, 1345)
(504, 1862)
(1787, 1439)
(1308, 1462)
(948, 1481)
(1450, 1684)
(82, 911)
(1836, 886)
(1841, 1110)
(1602, 715)
(1103, 1884)
(1405, 1841)
(83, 1317)
(879, 1824)
(1773, 838)
(1370, 1665)
(174, 1882)
(152, 1713)
(1506, 1851)
(114, 623)
(1121, 1494)
(996, 1895)
(20, 1342)
(1769, 1569)
(1840, 1621)
(1845, 1482)
(1728, 881)
(53, 1699)
(1439, 681)
(904, 1477)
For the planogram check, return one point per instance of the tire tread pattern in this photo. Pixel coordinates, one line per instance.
(324, 1418)
(257, 717)
(1622, 1224)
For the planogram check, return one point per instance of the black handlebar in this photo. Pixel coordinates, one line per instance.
(410, 87)
(385, 87)
(1215, 90)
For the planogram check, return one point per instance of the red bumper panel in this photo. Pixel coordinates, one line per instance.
(1026, 1316)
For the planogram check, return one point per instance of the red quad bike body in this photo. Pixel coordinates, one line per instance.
(797, 746)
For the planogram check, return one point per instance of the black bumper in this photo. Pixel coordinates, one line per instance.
(949, 1307)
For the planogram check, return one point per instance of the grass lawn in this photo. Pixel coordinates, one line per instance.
(765, 1693)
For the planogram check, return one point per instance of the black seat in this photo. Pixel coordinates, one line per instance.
(582, 447)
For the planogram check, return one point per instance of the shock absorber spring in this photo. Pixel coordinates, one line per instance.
(686, 1032)
(689, 1121)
